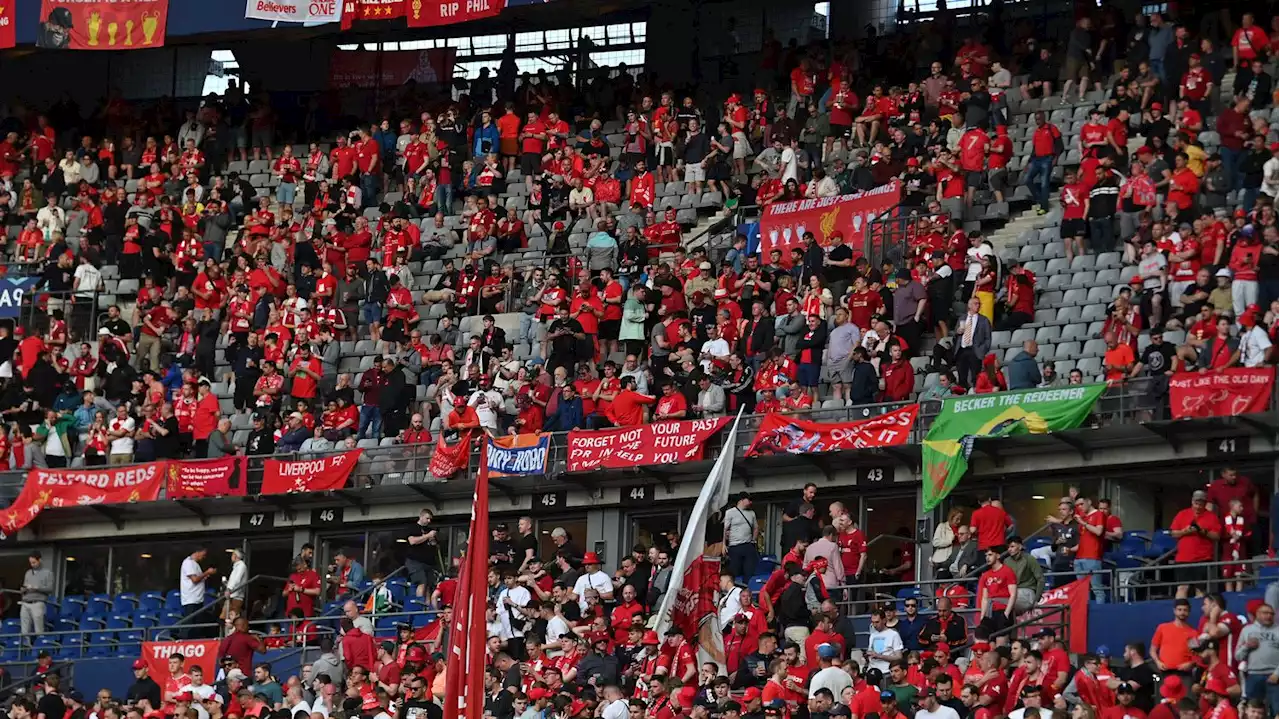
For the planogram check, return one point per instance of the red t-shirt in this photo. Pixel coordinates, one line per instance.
(1195, 547)
(994, 583)
(852, 546)
(1090, 543)
(1073, 199)
(973, 150)
(304, 385)
(990, 523)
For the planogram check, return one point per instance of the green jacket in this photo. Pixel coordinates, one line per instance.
(1028, 571)
(61, 425)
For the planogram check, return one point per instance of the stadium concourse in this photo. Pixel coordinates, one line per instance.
(555, 256)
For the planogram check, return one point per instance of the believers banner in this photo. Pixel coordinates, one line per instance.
(450, 457)
(47, 488)
(312, 12)
(353, 10)
(659, 443)
(204, 478)
(201, 653)
(783, 224)
(428, 13)
(947, 447)
(101, 24)
(357, 68)
(309, 475)
(519, 455)
(8, 31)
(786, 434)
(1221, 393)
(1073, 596)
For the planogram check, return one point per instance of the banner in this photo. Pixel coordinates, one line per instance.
(102, 24)
(947, 447)
(1075, 596)
(660, 443)
(358, 68)
(201, 653)
(519, 455)
(783, 224)
(46, 488)
(314, 12)
(8, 30)
(786, 434)
(428, 13)
(309, 475)
(13, 290)
(1221, 393)
(353, 10)
(464, 679)
(690, 600)
(449, 458)
(204, 478)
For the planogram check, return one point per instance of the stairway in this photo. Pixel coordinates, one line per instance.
(1005, 239)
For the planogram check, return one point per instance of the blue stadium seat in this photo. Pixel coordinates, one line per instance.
(126, 603)
(116, 621)
(66, 625)
(89, 623)
(98, 605)
(767, 564)
(170, 617)
(173, 600)
(756, 583)
(1162, 542)
(9, 653)
(1268, 573)
(45, 643)
(72, 647)
(73, 607)
(422, 620)
(11, 627)
(152, 602)
(1037, 542)
(414, 604)
(100, 644)
(144, 620)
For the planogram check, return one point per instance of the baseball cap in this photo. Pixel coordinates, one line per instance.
(236, 674)
(1224, 272)
(751, 694)
(387, 647)
(887, 696)
(828, 651)
(139, 664)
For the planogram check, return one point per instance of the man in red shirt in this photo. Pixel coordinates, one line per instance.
(369, 165)
(1088, 561)
(1000, 150)
(1249, 42)
(1197, 530)
(302, 589)
(1228, 486)
(671, 405)
(627, 408)
(1075, 200)
(989, 523)
(1045, 144)
(853, 546)
(974, 145)
(1196, 86)
(305, 371)
(996, 589)
(342, 158)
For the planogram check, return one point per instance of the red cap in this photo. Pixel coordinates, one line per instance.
(1172, 688)
(1002, 130)
(1135, 280)
(751, 693)
(651, 638)
(981, 646)
(1157, 106)
(1241, 213)
(758, 91)
(577, 707)
(19, 331)
(942, 647)
(734, 98)
(988, 361)
(1252, 606)
(1217, 686)
(182, 697)
(139, 664)
(537, 693)
(913, 162)
(1195, 56)
(591, 558)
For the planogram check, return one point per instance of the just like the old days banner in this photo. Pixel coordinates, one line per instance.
(101, 24)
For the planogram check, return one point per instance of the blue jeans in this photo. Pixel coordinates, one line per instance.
(1039, 173)
(368, 189)
(370, 419)
(1255, 685)
(1231, 168)
(743, 559)
(285, 193)
(444, 199)
(526, 327)
(370, 313)
(1085, 566)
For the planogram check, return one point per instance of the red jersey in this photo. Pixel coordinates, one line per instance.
(973, 150)
(1073, 199)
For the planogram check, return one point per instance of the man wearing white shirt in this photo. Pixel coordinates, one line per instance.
(1254, 341)
(715, 349)
(730, 599)
(191, 584)
(829, 676)
(884, 645)
(1031, 703)
(237, 585)
(120, 431)
(51, 218)
(592, 578)
(615, 706)
(513, 599)
(487, 402)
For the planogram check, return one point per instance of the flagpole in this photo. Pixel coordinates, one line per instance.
(464, 681)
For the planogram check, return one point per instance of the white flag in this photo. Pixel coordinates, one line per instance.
(309, 12)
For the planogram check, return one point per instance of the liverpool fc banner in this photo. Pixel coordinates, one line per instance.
(102, 24)
(963, 419)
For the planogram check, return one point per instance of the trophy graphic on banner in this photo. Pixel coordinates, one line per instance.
(416, 6)
(112, 29)
(95, 27)
(786, 236)
(857, 224)
(128, 33)
(150, 23)
(773, 237)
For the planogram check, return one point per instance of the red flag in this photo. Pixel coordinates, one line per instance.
(100, 24)
(1221, 393)
(353, 10)
(8, 34)
(787, 434)
(309, 475)
(48, 488)
(428, 13)
(449, 458)
(204, 478)
(464, 682)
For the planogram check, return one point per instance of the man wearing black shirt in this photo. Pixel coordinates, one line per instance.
(501, 551)
(1157, 357)
(418, 703)
(526, 543)
(565, 333)
(697, 146)
(754, 670)
(500, 688)
(802, 525)
(422, 559)
(1195, 295)
(1139, 674)
(51, 705)
(166, 440)
(792, 610)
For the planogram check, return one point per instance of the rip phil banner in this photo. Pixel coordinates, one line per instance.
(47, 488)
(358, 68)
(429, 13)
(785, 434)
(205, 478)
(783, 224)
(1221, 393)
(309, 475)
(519, 455)
(311, 12)
(102, 24)
(660, 443)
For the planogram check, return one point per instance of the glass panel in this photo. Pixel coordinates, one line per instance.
(650, 529)
(85, 571)
(639, 30)
(889, 516)
(529, 41)
(595, 33)
(558, 39)
(484, 44)
(1031, 503)
(576, 527)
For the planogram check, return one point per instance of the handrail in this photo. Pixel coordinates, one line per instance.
(367, 591)
(225, 594)
(876, 539)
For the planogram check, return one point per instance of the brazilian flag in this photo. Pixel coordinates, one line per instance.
(963, 419)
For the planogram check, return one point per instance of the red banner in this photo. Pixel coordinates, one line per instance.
(696, 606)
(198, 653)
(784, 434)
(464, 695)
(660, 443)
(101, 24)
(309, 475)
(357, 68)
(1221, 393)
(353, 10)
(428, 13)
(204, 478)
(45, 488)
(1074, 596)
(8, 31)
(784, 223)
(449, 459)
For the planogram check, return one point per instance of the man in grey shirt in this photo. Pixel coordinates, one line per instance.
(1257, 648)
(741, 531)
(37, 585)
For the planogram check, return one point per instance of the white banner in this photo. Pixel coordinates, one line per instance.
(311, 12)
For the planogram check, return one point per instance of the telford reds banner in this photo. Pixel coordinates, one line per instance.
(1221, 393)
(101, 24)
(519, 455)
(309, 475)
(428, 13)
(1075, 596)
(314, 12)
(783, 224)
(357, 68)
(46, 488)
(198, 652)
(784, 434)
(659, 443)
(947, 447)
(204, 478)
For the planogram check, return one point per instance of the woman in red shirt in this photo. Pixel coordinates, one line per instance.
(990, 379)
(896, 376)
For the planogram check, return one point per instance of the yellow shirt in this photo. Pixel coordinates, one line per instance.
(1195, 159)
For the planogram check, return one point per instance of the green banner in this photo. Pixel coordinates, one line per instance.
(1038, 411)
